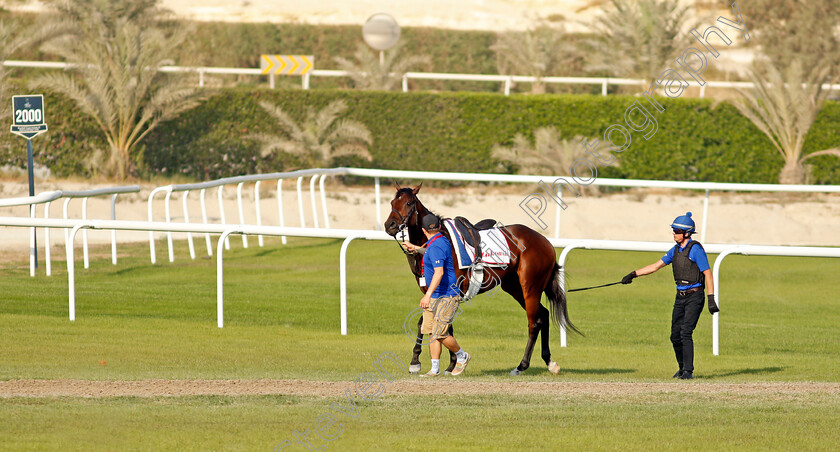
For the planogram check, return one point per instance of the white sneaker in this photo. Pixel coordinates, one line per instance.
(460, 367)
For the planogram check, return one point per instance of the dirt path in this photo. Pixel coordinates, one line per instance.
(445, 386)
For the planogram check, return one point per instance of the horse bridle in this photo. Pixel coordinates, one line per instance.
(404, 224)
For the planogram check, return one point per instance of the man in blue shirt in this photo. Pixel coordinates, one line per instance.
(691, 274)
(442, 297)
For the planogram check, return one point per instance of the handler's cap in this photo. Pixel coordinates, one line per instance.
(431, 221)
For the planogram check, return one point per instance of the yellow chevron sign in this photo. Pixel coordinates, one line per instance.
(286, 64)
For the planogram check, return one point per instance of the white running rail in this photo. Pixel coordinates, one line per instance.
(219, 184)
(350, 235)
(721, 250)
(75, 225)
(378, 174)
(48, 197)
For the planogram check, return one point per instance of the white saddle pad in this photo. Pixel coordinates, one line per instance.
(495, 251)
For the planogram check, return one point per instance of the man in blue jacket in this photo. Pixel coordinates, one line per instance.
(442, 298)
(691, 274)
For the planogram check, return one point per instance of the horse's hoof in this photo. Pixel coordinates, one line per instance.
(515, 373)
(553, 368)
(414, 369)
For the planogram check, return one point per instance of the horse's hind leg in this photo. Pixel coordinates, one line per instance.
(511, 286)
(545, 322)
(533, 330)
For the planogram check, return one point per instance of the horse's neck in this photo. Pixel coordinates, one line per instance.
(416, 237)
(415, 233)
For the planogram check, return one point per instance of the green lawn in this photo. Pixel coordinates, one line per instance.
(779, 323)
(490, 422)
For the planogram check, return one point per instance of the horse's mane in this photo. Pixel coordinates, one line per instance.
(405, 190)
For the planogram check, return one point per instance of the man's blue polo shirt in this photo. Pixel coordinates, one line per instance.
(696, 255)
(439, 254)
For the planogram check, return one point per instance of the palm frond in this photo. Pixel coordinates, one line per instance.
(347, 130)
(834, 151)
(286, 123)
(269, 144)
(548, 154)
(319, 138)
(327, 116)
(368, 73)
(638, 39)
(784, 104)
(352, 150)
(116, 47)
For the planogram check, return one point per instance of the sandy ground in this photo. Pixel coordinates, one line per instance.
(444, 385)
(487, 15)
(641, 214)
(461, 14)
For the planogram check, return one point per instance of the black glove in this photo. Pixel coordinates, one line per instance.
(713, 307)
(629, 278)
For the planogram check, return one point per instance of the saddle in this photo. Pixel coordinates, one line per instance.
(470, 232)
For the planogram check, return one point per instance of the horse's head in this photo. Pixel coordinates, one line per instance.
(404, 210)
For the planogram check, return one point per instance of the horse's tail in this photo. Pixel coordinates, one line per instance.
(557, 301)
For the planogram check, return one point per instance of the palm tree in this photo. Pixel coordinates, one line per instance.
(549, 154)
(542, 50)
(13, 38)
(116, 51)
(784, 105)
(638, 39)
(368, 72)
(777, 27)
(319, 139)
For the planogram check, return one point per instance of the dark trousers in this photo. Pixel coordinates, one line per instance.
(687, 310)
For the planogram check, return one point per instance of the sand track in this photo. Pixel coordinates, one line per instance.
(443, 386)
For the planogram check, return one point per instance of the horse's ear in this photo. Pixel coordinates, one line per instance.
(397, 184)
(416, 189)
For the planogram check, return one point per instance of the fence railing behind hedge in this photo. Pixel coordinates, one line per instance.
(506, 80)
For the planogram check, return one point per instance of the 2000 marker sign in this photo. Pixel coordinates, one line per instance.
(31, 116)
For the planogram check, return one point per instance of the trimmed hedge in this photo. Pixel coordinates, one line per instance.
(71, 138)
(825, 134)
(696, 141)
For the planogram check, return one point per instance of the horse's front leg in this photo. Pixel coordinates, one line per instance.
(453, 358)
(414, 366)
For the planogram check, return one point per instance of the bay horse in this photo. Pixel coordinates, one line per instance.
(532, 271)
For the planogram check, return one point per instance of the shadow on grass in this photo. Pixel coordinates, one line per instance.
(749, 371)
(127, 270)
(539, 370)
(266, 251)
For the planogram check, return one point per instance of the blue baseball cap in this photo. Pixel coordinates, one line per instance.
(431, 221)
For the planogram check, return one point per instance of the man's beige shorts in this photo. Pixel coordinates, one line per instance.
(439, 315)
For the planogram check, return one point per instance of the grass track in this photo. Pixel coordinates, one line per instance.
(779, 324)
(491, 422)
